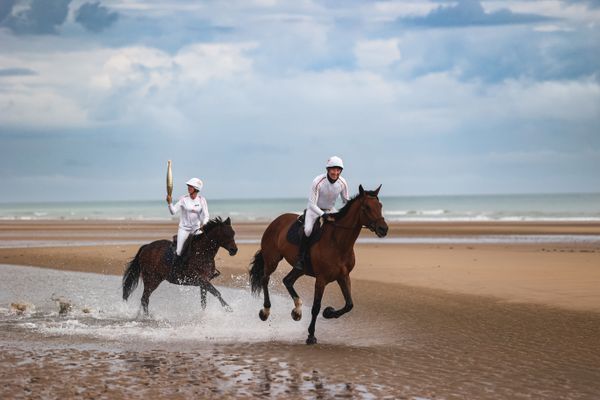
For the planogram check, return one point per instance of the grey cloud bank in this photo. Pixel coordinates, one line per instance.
(253, 97)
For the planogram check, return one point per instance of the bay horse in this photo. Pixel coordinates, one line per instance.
(152, 264)
(332, 257)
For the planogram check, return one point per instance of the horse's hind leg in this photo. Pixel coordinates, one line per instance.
(149, 287)
(213, 290)
(289, 281)
(266, 310)
(270, 266)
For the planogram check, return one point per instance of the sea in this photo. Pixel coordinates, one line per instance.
(504, 207)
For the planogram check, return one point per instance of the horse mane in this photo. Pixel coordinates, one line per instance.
(211, 224)
(344, 210)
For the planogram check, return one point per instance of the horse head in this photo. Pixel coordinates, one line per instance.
(223, 234)
(371, 214)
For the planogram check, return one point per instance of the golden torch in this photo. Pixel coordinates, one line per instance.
(169, 179)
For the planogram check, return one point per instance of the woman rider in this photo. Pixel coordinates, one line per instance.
(194, 215)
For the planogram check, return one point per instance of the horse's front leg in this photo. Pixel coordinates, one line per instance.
(213, 290)
(203, 297)
(319, 289)
(330, 312)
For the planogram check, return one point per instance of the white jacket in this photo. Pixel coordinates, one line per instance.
(323, 194)
(194, 212)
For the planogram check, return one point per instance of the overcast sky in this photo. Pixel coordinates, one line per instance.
(253, 96)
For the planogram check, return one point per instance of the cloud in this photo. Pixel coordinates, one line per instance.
(377, 53)
(167, 83)
(470, 13)
(95, 17)
(16, 72)
(42, 17)
(589, 3)
(6, 7)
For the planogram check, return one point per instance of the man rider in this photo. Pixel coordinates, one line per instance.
(321, 201)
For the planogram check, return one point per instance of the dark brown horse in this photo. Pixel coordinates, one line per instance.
(152, 263)
(332, 257)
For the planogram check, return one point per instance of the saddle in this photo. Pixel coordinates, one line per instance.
(297, 230)
(294, 234)
(171, 251)
(169, 256)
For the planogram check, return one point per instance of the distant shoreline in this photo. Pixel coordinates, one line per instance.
(571, 207)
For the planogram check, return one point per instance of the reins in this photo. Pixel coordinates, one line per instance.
(370, 226)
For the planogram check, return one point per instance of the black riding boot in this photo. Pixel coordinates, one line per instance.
(177, 266)
(303, 250)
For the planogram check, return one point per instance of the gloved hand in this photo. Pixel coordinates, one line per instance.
(327, 217)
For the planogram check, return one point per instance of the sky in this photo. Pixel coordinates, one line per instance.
(253, 96)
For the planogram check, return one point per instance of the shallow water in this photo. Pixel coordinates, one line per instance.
(398, 342)
(472, 239)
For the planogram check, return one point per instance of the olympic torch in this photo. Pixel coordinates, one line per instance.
(169, 179)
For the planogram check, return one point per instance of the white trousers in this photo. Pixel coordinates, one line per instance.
(309, 221)
(182, 235)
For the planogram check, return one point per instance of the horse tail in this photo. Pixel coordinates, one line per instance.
(257, 271)
(131, 276)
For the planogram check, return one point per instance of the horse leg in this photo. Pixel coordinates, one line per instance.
(203, 297)
(289, 281)
(316, 307)
(266, 310)
(149, 287)
(213, 290)
(330, 312)
(271, 262)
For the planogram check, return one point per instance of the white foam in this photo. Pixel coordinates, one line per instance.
(176, 314)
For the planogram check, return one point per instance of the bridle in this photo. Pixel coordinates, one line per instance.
(371, 225)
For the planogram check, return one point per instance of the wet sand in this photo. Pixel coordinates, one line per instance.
(430, 320)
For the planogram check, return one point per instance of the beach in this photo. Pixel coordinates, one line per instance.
(442, 310)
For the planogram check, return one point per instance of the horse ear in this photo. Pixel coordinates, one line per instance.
(377, 190)
(360, 189)
(228, 221)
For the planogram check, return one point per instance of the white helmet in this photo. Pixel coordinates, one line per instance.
(195, 183)
(335, 161)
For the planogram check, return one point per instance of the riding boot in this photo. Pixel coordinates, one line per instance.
(302, 253)
(177, 266)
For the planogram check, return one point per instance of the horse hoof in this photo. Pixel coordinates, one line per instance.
(329, 312)
(263, 316)
(296, 316)
(311, 340)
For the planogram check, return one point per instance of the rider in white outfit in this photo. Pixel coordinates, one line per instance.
(194, 215)
(324, 192)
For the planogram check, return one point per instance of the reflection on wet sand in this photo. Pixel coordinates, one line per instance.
(398, 342)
